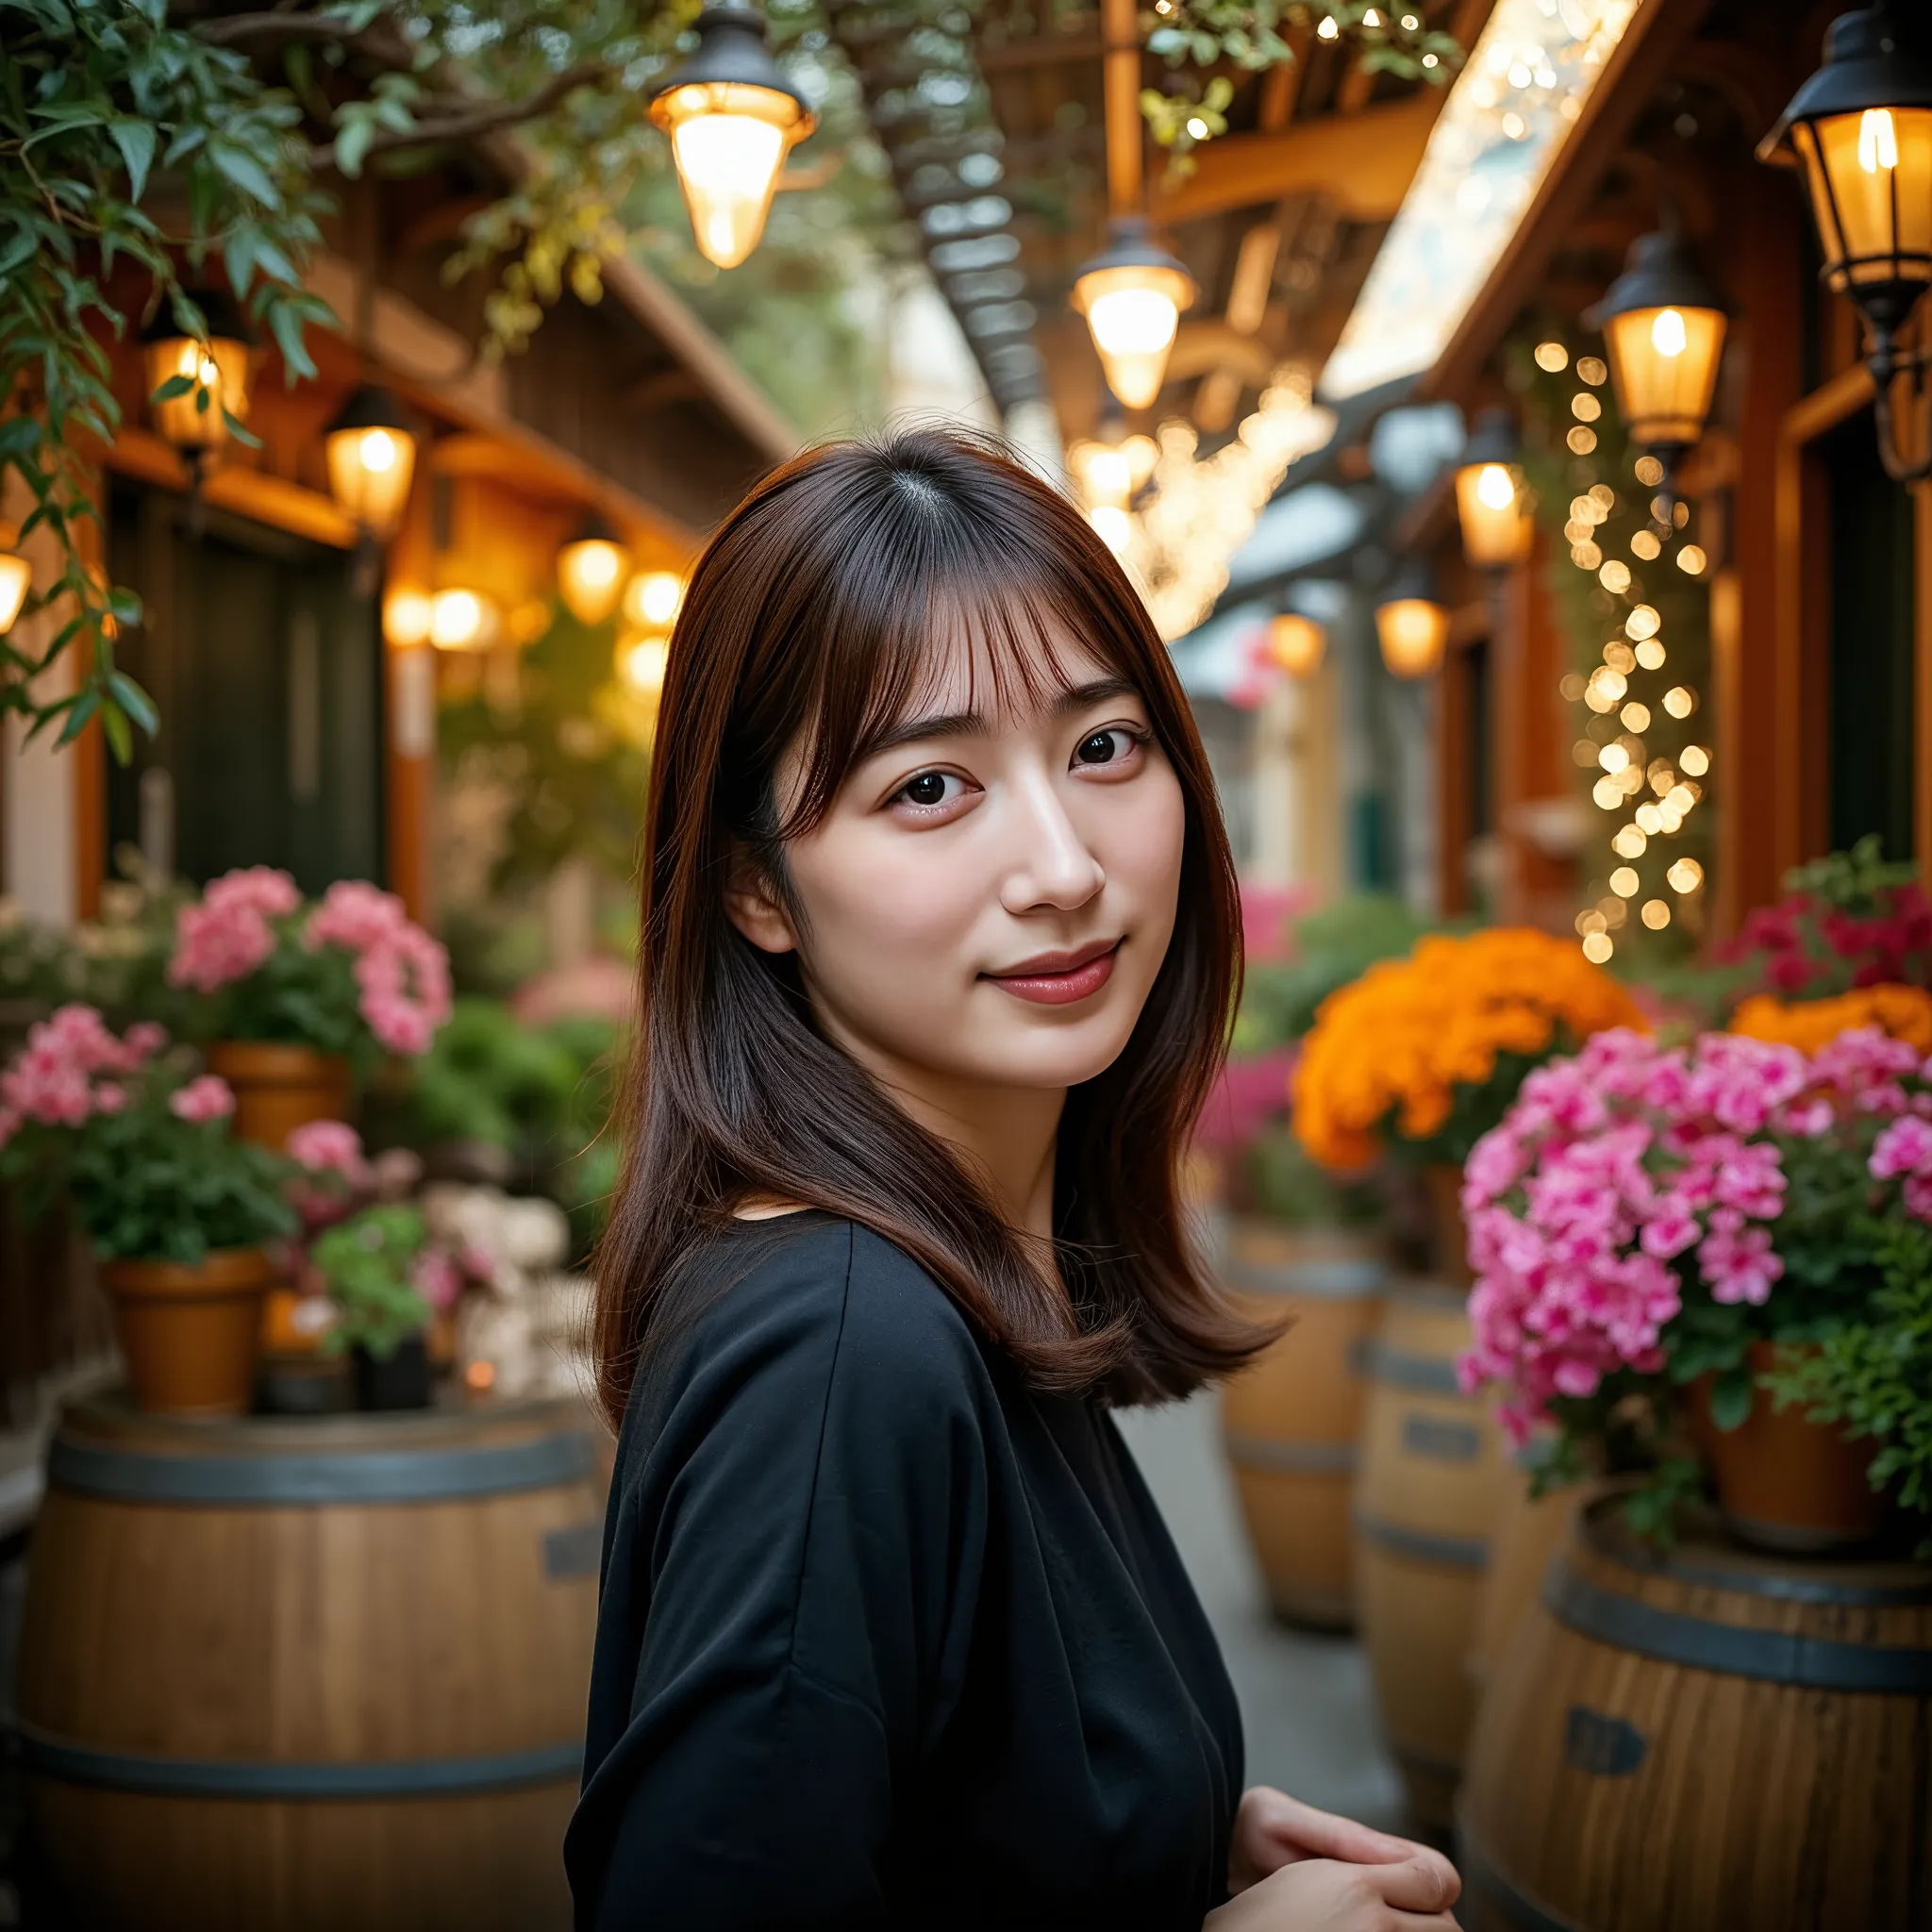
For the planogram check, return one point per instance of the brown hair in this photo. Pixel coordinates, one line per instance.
(808, 621)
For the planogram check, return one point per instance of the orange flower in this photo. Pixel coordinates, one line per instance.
(1903, 1011)
(1388, 1052)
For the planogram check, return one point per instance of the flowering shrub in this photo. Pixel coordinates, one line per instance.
(350, 975)
(1426, 1052)
(1643, 1214)
(142, 1155)
(1903, 1011)
(1846, 921)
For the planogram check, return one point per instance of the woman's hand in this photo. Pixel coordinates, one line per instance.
(1326, 1895)
(1272, 1830)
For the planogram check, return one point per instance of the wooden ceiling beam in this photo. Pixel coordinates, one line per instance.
(1362, 163)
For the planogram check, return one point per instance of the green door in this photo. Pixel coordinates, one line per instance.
(268, 673)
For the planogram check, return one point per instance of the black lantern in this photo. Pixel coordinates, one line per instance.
(1663, 324)
(371, 451)
(1491, 501)
(195, 387)
(1861, 129)
(732, 118)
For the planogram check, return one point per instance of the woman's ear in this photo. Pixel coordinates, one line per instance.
(753, 908)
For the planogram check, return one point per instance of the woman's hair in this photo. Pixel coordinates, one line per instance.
(810, 624)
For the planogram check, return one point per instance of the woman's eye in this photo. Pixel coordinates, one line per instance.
(1108, 748)
(931, 789)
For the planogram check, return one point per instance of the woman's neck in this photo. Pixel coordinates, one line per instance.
(1006, 1135)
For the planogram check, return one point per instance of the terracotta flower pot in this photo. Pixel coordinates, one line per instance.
(190, 1334)
(1784, 1482)
(1448, 1234)
(279, 1089)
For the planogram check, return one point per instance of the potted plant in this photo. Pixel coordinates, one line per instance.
(1420, 1056)
(176, 1209)
(1669, 1238)
(307, 997)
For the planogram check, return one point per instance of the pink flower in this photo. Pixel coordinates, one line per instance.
(1905, 1146)
(109, 1098)
(209, 1098)
(328, 1147)
(228, 935)
(49, 1079)
(354, 915)
(146, 1039)
(437, 1278)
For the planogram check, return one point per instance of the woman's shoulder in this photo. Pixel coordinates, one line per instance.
(813, 1297)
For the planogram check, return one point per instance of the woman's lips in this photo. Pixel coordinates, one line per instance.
(1060, 979)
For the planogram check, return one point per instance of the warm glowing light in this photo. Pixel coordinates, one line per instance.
(1585, 406)
(1197, 128)
(1643, 622)
(1645, 546)
(1690, 560)
(1607, 793)
(1629, 843)
(194, 420)
(1552, 358)
(16, 577)
(1636, 717)
(1612, 684)
(1593, 369)
(1680, 701)
(591, 571)
(1133, 308)
(1113, 525)
(1649, 820)
(371, 457)
(1625, 882)
(1413, 632)
(1618, 656)
(1667, 333)
(1615, 576)
(1695, 759)
(405, 618)
(653, 598)
(1684, 876)
(1655, 914)
(641, 663)
(1648, 472)
(462, 620)
(1613, 758)
(1581, 441)
(1493, 510)
(1296, 643)
(1650, 653)
(1597, 947)
(1327, 30)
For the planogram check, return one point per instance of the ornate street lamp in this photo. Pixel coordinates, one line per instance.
(1296, 643)
(1132, 296)
(1412, 624)
(732, 118)
(591, 571)
(1663, 324)
(371, 451)
(1861, 129)
(195, 389)
(16, 577)
(1492, 500)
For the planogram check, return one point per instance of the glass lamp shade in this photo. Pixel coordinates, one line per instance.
(1493, 508)
(371, 451)
(1861, 129)
(1296, 643)
(732, 118)
(16, 577)
(591, 570)
(1663, 324)
(462, 620)
(193, 422)
(1132, 296)
(1413, 631)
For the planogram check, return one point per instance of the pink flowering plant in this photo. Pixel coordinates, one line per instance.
(139, 1150)
(1644, 1213)
(350, 974)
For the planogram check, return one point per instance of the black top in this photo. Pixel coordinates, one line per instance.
(885, 1639)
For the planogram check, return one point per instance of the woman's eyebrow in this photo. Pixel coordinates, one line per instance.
(972, 724)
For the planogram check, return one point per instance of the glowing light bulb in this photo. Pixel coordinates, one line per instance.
(1494, 487)
(1667, 333)
(1877, 140)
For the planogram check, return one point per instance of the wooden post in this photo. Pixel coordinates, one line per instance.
(1120, 29)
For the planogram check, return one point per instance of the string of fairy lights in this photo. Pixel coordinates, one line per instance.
(1638, 697)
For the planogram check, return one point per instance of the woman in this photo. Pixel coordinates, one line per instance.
(940, 937)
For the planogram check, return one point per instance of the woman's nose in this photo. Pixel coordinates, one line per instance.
(1052, 864)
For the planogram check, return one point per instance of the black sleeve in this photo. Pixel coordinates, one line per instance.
(806, 1552)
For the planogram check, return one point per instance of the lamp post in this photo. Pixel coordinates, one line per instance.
(371, 451)
(1663, 323)
(732, 118)
(1132, 294)
(1296, 643)
(1412, 624)
(591, 571)
(196, 389)
(1861, 129)
(1491, 501)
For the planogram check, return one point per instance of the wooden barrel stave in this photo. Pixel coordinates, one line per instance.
(290, 1714)
(1678, 1786)
(1289, 1422)
(1427, 1502)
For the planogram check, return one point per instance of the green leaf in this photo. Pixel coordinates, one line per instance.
(239, 430)
(246, 171)
(285, 322)
(79, 717)
(1731, 1399)
(134, 701)
(175, 386)
(114, 723)
(352, 144)
(136, 140)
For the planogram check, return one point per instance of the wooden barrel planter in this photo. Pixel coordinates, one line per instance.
(1290, 1423)
(1529, 1532)
(1717, 1738)
(279, 1089)
(285, 1675)
(1430, 1489)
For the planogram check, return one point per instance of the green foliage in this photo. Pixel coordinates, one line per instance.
(1330, 948)
(1289, 1186)
(1873, 1375)
(1859, 882)
(144, 1185)
(1253, 36)
(298, 996)
(367, 1263)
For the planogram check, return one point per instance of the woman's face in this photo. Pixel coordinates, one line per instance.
(990, 896)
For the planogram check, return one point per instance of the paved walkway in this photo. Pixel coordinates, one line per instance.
(1304, 1699)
